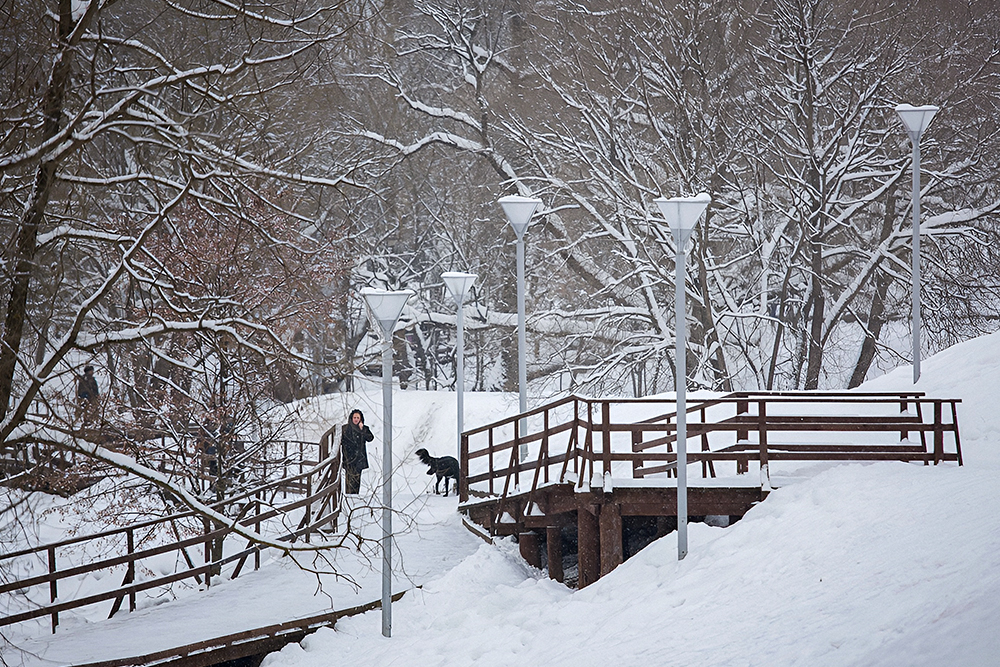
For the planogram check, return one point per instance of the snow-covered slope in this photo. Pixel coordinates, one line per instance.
(859, 564)
(878, 564)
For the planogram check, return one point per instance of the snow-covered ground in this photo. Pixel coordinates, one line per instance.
(856, 564)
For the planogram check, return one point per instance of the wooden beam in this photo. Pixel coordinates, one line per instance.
(611, 537)
(553, 543)
(588, 547)
(530, 548)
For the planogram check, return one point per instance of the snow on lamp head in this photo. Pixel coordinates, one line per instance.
(459, 284)
(916, 119)
(385, 307)
(519, 210)
(682, 214)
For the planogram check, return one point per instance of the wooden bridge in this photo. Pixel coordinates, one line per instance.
(598, 476)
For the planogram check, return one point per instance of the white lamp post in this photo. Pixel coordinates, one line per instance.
(519, 211)
(459, 284)
(682, 215)
(385, 307)
(916, 120)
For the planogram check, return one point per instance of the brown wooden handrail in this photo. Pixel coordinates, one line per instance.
(594, 452)
(324, 493)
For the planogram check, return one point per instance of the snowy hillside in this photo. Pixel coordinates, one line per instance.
(859, 564)
(878, 564)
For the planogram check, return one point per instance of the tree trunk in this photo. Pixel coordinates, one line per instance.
(26, 243)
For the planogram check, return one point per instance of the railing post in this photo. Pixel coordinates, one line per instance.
(53, 586)
(938, 434)
(130, 574)
(637, 462)
(309, 484)
(543, 453)
(490, 457)
(576, 433)
(742, 407)
(463, 482)
(606, 440)
(256, 552)
(765, 472)
(208, 552)
(517, 447)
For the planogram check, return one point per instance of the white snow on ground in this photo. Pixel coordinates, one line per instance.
(855, 564)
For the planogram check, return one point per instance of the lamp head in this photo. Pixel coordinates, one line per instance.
(682, 214)
(519, 210)
(916, 119)
(385, 307)
(459, 284)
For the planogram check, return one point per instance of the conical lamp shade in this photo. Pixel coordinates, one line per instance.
(519, 210)
(682, 213)
(385, 306)
(459, 284)
(916, 119)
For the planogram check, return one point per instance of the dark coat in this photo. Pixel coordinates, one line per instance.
(86, 388)
(352, 443)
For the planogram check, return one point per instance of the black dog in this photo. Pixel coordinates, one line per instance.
(444, 467)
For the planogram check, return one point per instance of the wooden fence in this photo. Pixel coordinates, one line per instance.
(318, 482)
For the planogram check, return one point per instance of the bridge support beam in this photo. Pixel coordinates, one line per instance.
(553, 545)
(531, 551)
(611, 537)
(588, 546)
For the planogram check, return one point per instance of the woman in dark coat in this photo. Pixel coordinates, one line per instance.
(352, 449)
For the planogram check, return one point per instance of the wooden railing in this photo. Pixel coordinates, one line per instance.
(319, 485)
(593, 442)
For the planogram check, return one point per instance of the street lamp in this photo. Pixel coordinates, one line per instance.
(916, 120)
(519, 211)
(682, 215)
(385, 307)
(459, 284)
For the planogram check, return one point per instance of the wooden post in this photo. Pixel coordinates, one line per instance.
(516, 458)
(530, 548)
(543, 454)
(53, 586)
(588, 546)
(938, 434)
(765, 473)
(490, 447)
(256, 551)
(130, 574)
(463, 480)
(553, 545)
(606, 441)
(611, 537)
(208, 552)
(742, 407)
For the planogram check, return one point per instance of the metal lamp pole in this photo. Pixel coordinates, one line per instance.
(519, 211)
(916, 120)
(385, 307)
(459, 284)
(682, 215)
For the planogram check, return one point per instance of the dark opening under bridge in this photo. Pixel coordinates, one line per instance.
(598, 476)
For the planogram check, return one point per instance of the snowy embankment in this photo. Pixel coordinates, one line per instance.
(861, 564)
(856, 564)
